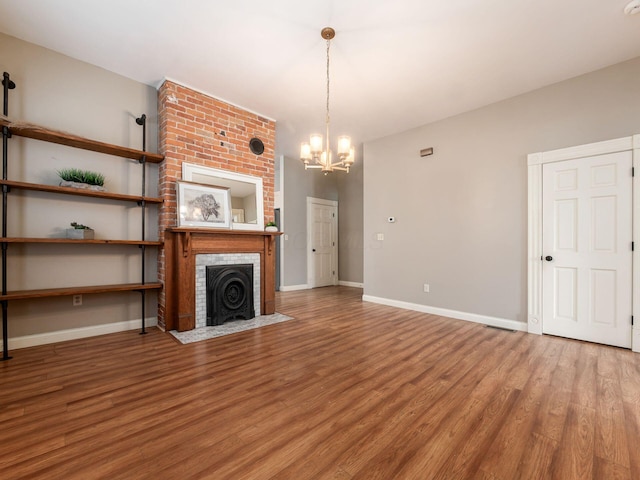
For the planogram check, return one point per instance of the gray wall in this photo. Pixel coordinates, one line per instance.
(298, 184)
(65, 94)
(350, 218)
(462, 213)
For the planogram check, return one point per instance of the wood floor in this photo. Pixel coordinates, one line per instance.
(347, 390)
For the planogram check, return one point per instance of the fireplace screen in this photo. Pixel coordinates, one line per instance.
(229, 293)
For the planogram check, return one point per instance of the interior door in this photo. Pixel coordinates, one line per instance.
(323, 243)
(587, 249)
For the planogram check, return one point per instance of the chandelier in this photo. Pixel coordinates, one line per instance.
(312, 154)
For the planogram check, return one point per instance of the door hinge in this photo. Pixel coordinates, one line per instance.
(633, 246)
(633, 171)
(333, 215)
(333, 273)
(632, 320)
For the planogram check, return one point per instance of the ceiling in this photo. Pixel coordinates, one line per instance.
(394, 65)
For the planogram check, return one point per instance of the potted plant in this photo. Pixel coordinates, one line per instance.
(76, 178)
(271, 227)
(80, 232)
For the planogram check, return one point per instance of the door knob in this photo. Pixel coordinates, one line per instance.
(548, 258)
(313, 249)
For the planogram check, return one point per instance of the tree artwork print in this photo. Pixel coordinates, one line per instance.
(203, 207)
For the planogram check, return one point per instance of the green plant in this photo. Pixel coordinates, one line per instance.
(81, 176)
(271, 224)
(79, 226)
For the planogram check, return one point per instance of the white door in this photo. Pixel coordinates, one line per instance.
(586, 245)
(323, 225)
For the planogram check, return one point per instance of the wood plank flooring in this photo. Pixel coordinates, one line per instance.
(347, 390)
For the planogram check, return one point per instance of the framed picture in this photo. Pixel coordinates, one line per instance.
(202, 205)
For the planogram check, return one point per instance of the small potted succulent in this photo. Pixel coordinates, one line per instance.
(80, 232)
(271, 227)
(76, 178)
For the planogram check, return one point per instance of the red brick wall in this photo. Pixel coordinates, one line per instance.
(190, 126)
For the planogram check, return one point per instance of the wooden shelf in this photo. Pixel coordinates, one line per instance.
(53, 136)
(79, 191)
(73, 241)
(60, 292)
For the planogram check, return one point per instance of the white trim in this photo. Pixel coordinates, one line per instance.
(443, 312)
(198, 90)
(278, 195)
(534, 270)
(77, 333)
(589, 150)
(635, 333)
(292, 288)
(330, 203)
(344, 283)
(188, 169)
(278, 202)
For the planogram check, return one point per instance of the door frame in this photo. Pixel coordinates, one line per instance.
(535, 161)
(334, 253)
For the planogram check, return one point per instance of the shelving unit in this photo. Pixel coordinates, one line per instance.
(10, 129)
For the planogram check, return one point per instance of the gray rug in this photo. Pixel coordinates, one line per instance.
(233, 326)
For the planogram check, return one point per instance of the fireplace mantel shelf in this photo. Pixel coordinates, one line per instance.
(182, 244)
(223, 231)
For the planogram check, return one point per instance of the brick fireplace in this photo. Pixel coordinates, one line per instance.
(198, 129)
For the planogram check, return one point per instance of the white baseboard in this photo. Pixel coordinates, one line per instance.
(291, 288)
(76, 333)
(469, 317)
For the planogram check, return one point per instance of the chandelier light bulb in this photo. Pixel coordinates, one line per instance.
(316, 144)
(305, 152)
(344, 145)
(350, 158)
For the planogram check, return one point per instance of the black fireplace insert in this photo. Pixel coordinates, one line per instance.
(229, 293)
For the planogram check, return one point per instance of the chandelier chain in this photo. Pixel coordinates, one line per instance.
(327, 120)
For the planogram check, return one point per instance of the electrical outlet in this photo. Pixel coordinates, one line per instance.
(77, 300)
(426, 288)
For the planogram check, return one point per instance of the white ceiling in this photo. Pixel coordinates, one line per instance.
(394, 64)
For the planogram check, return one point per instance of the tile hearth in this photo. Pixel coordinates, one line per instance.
(235, 326)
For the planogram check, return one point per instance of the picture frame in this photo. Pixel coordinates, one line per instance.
(201, 205)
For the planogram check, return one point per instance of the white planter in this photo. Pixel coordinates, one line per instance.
(84, 186)
(271, 229)
(80, 233)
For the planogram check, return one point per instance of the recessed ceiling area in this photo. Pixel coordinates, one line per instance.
(394, 65)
